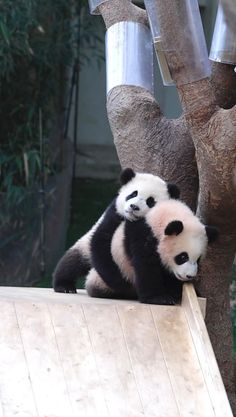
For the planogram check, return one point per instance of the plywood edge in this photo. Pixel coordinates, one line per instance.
(205, 352)
(202, 304)
(47, 295)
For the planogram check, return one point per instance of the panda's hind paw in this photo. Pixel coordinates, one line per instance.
(65, 290)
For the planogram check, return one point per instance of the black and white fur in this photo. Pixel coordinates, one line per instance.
(155, 255)
(138, 193)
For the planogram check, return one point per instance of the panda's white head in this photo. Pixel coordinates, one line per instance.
(182, 238)
(140, 192)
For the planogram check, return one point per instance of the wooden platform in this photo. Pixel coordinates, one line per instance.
(65, 355)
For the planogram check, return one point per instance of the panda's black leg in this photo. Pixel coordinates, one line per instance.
(65, 288)
(150, 276)
(102, 259)
(98, 293)
(70, 267)
(150, 282)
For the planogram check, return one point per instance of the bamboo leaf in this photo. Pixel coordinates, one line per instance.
(5, 32)
(26, 167)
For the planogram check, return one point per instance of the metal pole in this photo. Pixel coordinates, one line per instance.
(42, 197)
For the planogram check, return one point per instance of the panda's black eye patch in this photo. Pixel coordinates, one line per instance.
(132, 195)
(181, 258)
(150, 202)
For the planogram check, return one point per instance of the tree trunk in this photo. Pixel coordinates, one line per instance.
(224, 84)
(147, 141)
(213, 133)
(197, 151)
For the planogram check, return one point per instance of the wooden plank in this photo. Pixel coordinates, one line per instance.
(113, 362)
(46, 374)
(202, 304)
(99, 357)
(78, 361)
(147, 361)
(182, 362)
(17, 397)
(48, 295)
(205, 353)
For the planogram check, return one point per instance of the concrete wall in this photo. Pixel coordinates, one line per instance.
(93, 123)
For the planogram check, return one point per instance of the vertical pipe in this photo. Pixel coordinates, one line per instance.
(152, 12)
(75, 135)
(223, 46)
(183, 40)
(129, 56)
(42, 196)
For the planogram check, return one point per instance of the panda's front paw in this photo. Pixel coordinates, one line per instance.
(67, 289)
(165, 299)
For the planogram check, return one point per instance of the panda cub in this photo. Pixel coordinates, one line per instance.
(156, 254)
(138, 193)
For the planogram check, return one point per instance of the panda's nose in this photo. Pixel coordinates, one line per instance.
(134, 207)
(190, 277)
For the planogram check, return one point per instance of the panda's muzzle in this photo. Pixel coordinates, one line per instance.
(186, 277)
(134, 207)
(130, 215)
(190, 277)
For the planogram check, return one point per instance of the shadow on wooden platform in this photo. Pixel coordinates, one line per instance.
(68, 355)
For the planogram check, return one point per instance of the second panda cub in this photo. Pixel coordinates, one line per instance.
(140, 192)
(156, 254)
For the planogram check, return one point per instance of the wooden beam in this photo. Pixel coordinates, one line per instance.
(205, 352)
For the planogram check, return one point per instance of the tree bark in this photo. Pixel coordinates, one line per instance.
(147, 141)
(198, 152)
(213, 132)
(223, 79)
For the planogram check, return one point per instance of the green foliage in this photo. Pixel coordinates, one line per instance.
(38, 40)
(89, 199)
(88, 36)
(34, 43)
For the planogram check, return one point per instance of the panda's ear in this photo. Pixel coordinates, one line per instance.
(212, 233)
(173, 190)
(126, 175)
(174, 228)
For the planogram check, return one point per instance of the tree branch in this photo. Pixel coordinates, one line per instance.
(115, 11)
(198, 102)
(223, 81)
